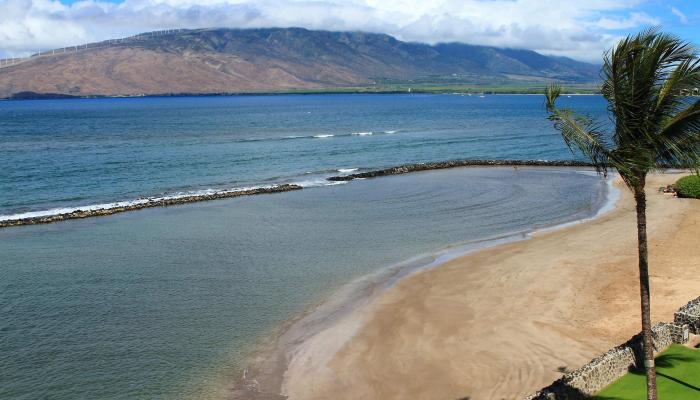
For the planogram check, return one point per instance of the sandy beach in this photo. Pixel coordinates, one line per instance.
(502, 322)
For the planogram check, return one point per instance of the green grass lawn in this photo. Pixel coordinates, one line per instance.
(677, 377)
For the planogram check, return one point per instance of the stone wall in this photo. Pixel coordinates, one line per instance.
(689, 315)
(618, 361)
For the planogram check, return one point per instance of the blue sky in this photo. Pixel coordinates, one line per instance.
(581, 29)
(681, 17)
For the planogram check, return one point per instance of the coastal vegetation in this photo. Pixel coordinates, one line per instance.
(678, 369)
(689, 186)
(643, 76)
(463, 89)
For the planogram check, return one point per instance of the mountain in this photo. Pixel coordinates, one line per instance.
(265, 60)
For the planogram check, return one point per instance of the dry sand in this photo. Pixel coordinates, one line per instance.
(503, 322)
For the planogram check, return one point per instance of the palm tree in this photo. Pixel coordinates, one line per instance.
(654, 125)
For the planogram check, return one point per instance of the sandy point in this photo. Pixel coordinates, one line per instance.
(502, 322)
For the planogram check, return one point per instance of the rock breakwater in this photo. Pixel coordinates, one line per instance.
(145, 203)
(408, 168)
(113, 208)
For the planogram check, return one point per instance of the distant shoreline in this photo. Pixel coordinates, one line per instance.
(86, 211)
(491, 92)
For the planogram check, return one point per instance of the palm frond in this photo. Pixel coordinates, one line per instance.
(552, 93)
(678, 141)
(685, 76)
(643, 77)
(580, 132)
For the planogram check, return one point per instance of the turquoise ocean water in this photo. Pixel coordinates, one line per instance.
(166, 303)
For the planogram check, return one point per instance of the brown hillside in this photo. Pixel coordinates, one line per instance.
(137, 71)
(254, 60)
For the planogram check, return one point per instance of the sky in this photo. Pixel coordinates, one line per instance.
(580, 29)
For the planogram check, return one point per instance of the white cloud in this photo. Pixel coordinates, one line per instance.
(681, 17)
(575, 29)
(635, 19)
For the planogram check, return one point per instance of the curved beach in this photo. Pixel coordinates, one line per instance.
(238, 268)
(504, 321)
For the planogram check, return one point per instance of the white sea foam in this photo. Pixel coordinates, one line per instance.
(588, 173)
(611, 198)
(126, 203)
(67, 210)
(318, 182)
(321, 136)
(346, 170)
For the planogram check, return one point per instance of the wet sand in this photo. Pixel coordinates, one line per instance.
(502, 322)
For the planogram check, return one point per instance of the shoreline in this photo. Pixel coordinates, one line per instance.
(264, 376)
(421, 356)
(97, 210)
(24, 96)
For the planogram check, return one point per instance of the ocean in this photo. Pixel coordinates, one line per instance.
(167, 303)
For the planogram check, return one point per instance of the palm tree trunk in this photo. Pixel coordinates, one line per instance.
(640, 198)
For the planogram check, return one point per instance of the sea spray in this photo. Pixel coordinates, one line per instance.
(118, 207)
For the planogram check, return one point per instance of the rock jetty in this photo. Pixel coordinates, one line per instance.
(174, 200)
(405, 169)
(148, 203)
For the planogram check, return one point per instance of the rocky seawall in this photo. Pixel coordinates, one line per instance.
(408, 168)
(96, 211)
(146, 203)
(602, 371)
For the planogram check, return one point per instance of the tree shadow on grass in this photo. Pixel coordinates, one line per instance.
(565, 391)
(669, 361)
(678, 381)
(665, 361)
